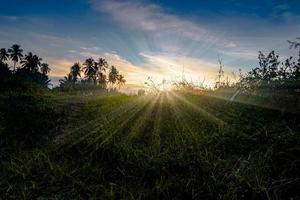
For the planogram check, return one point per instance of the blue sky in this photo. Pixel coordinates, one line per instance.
(151, 38)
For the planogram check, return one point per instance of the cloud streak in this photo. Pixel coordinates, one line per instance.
(170, 33)
(150, 18)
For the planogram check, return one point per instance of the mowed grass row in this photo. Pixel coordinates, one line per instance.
(167, 146)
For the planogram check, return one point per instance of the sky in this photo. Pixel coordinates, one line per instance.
(156, 38)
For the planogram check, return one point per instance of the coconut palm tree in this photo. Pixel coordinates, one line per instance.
(75, 71)
(4, 54)
(113, 74)
(120, 80)
(31, 63)
(15, 54)
(45, 68)
(101, 68)
(102, 80)
(102, 64)
(89, 69)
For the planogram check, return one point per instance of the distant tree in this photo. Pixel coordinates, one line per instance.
(296, 69)
(268, 66)
(31, 70)
(120, 80)
(31, 63)
(273, 74)
(102, 65)
(113, 75)
(89, 70)
(15, 54)
(3, 54)
(75, 71)
(45, 68)
(102, 80)
(94, 72)
(66, 81)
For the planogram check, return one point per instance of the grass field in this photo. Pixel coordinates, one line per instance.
(168, 146)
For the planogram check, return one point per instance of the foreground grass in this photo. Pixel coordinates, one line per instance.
(169, 146)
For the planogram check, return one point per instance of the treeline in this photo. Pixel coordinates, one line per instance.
(273, 83)
(26, 70)
(28, 114)
(273, 74)
(92, 74)
(270, 74)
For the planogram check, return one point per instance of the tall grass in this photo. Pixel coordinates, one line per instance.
(170, 146)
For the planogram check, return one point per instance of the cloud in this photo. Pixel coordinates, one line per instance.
(149, 17)
(168, 32)
(10, 17)
(60, 67)
(159, 66)
(174, 67)
(231, 45)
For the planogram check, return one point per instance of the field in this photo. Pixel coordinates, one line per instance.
(173, 145)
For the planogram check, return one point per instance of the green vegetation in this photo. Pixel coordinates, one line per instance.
(239, 141)
(174, 145)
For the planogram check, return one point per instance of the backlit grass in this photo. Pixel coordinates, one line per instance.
(171, 146)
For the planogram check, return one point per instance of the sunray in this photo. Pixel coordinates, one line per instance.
(90, 124)
(110, 133)
(155, 140)
(180, 114)
(140, 122)
(198, 109)
(236, 100)
(116, 113)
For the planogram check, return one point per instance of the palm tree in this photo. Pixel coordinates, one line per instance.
(31, 63)
(89, 69)
(15, 54)
(45, 68)
(102, 63)
(101, 68)
(113, 74)
(75, 71)
(102, 80)
(66, 81)
(3, 54)
(120, 80)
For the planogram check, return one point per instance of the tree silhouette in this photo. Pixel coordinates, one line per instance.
(3, 54)
(45, 68)
(120, 80)
(75, 71)
(31, 63)
(102, 66)
(102, 80)
(113, 75)
(95, 73)
(15, 54)
(102, 63)
(89, 69)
